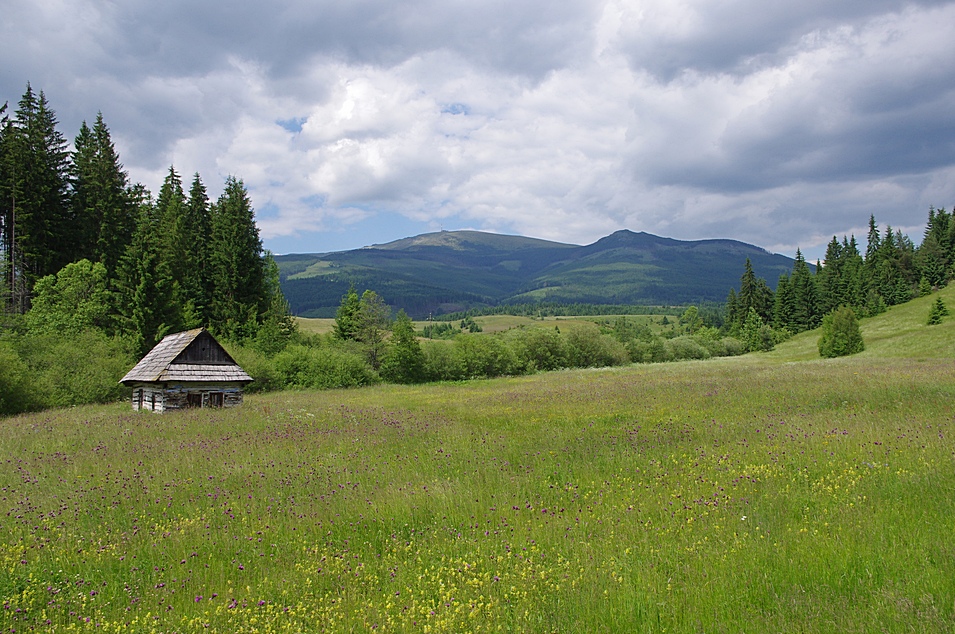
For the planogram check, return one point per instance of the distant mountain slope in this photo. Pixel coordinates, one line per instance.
(456, 270)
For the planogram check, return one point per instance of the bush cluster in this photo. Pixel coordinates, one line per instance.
(44, 369)
(327, 361)
(39, 371)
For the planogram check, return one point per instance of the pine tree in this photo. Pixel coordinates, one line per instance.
(937, 312)
(830, 278)
(105, 215)
(198, 283)
(147, 308)
(346, 317)
(784, 306)
(238, 274)
(38, 226)
(805, 314)
(753, 293)
(277, 325)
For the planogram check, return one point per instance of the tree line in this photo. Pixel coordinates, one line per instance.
(95, 270)
(891, 270)
(82, 246)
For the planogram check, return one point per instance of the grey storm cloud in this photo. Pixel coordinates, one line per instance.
(740, 36)
(777, 123)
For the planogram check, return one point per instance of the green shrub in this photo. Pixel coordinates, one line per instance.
(588, 348)
(653, 350)
(756, 335)
(538, 349)
(686, 347)
(259, 366)
(83, 368)
(734, 347)
(322, 368)
(840, 334)
(440, 361)
(17, 390)
(709, 338)
(485, 356)
(75, 299)
(403, 362)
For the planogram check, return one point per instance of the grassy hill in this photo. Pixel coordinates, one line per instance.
(456, 270)
(771, 492)
(899, 333)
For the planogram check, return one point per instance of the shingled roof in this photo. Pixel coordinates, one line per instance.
(172, 360)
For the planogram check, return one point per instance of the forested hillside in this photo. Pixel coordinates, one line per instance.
(454, 271)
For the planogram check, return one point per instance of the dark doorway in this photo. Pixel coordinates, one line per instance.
(193, 400)
(216, 399)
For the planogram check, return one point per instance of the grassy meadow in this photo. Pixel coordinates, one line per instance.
(773, 492)
(498, 323)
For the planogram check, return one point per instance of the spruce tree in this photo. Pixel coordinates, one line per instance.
(934, 256)
(346, 317)
(753, 293)
(755, 334)
(805, 315)
(831, 283)
(277, 325)
(937, 312)
(85, 208)
(39, 236)
(105, 214)
(852, 274)
(873, 242)
(6, 211)
(198, 223)
(238, 275)
(732, 309)
(147, 308)
(894, 268)
(784, 307)
(932, 261)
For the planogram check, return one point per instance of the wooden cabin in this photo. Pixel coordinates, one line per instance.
(186, 369)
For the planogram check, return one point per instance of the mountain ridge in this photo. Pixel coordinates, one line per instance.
(448, 271)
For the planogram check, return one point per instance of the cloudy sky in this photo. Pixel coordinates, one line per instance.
(354, 122)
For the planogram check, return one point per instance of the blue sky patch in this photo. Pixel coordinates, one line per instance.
(456, 108)
(293, 125)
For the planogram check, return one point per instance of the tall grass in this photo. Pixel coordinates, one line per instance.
(748, 494)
